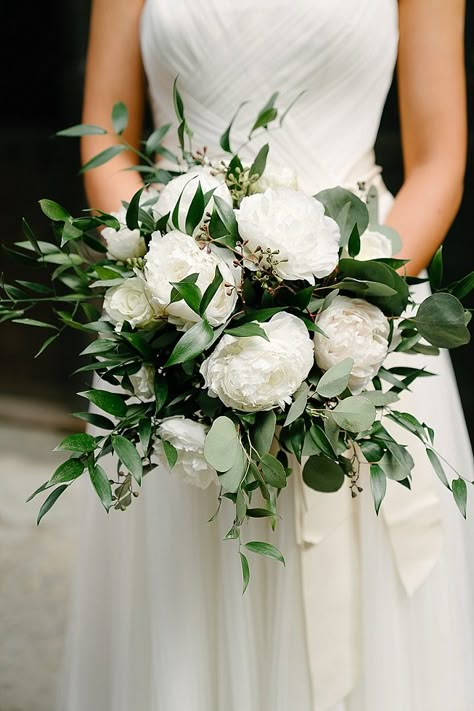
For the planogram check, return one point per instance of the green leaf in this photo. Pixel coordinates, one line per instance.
(67, 471)
(323, 474)
(460, 494)
(191, 344)
(78, 443)
(196, 210)
(264, 431)
(353, 245)
(375, 271)
(119, 117)
(372, 451)
(128, 455)
(378, 485)
(101, 484)
(265, 549)
(96, 420)
(82, 129)
(47, 343)
(231, 479)
(267, 114)
(245, 566)
(145, 431)
(346, 209)
(39, 490)
(54, 210)
(435, 269)
(273, 471)
(226, 215)
(191, 294)
(171, 453)
(50, 501)
(33, 322)
(210, 291)
(222, 444)
(258, 166)
(161, 392)
(30, 235)
(103, 157)
(380, 399)
(133, 208)
(317, 442)
(247, 330)
(298, 405)
(101, 345)
(440, 320)
(107, 401)
(365, 288)
(335, 380)
(154, 140)
(354, 413)
(463, 287)
(437, 466)
(224, 140)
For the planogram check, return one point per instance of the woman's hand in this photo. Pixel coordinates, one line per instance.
(431, 80)
(114, 73)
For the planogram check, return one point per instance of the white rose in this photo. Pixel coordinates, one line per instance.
(253, 374)
(294, 224)
(188, 438)
(354, 329)
(123, 244)
(143, 381)
(175, 255)
(184, 186)
(276, 176)
(130, 302)
(373, 245)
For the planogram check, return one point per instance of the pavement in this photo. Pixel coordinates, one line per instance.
(35, 570)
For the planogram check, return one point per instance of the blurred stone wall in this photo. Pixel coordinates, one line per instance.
(42, 59)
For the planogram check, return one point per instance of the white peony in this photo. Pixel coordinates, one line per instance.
(276, 176)
(252, 374)
(184, 186)
(188, 438)
(130, 302)
(143, 381)
(175, 255)
(123, 244)
(354, 329)
(373, 245)
(294, 224)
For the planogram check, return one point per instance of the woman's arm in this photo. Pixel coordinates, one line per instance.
(114, 73)
(432, 100)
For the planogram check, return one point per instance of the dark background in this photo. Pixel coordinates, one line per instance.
(42, 56)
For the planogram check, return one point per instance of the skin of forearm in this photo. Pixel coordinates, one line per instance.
(423, 211)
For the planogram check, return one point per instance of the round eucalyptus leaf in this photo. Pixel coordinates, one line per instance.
(440, 320)
(222, 444)
(322, 474)
(354, 413)
(335, 380)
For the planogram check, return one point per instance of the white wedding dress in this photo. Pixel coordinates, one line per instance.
(369, 614)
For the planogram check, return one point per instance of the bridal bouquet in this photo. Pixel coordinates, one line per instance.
(245, 326)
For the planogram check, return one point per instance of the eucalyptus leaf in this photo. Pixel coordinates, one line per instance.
(264, 431)
(222, 444)
(323, 474)
(354, 413)
(440, 320)
(232, 478)
(335, 380)
(346, 209)
(298, 405)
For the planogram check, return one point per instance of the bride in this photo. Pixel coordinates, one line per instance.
(370, 614)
